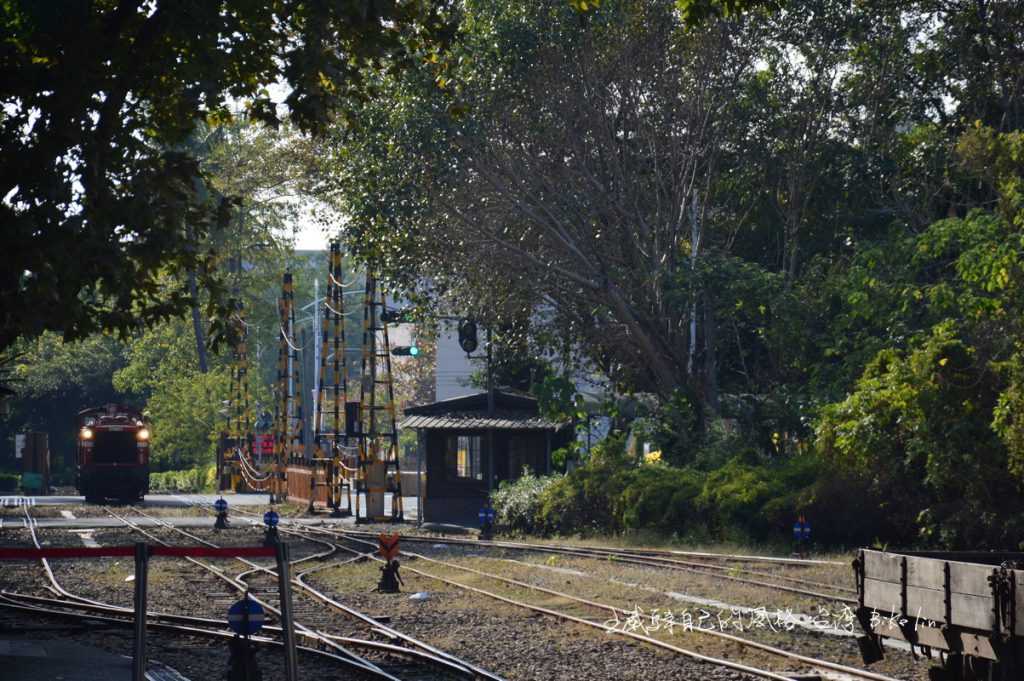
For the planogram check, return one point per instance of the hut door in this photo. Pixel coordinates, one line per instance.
(518, 456)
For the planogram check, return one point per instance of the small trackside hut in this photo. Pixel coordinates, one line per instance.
(470, 444)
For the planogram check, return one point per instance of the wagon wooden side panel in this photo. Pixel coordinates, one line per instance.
(968, 606)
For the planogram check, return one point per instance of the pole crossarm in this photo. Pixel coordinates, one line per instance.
(330, 440)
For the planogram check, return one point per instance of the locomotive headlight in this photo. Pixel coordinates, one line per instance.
(143, 434)
(86, 433)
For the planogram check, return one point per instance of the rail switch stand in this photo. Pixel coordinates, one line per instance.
(802, 535)
(389, 577)
(242, 663)
(221, 507)
(486, 517)
(245, 618)
(271, 537)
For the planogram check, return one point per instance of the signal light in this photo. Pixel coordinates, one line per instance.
(405, 351)
(352, 416)
(467, 336)
(264, 422)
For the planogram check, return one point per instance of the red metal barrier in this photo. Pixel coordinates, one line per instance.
(115, 551)
(143, 552)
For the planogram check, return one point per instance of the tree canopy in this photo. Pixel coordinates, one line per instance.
(100, 194)
(772, 221)
(785, 236)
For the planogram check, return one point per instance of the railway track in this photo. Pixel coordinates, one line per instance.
(405, 662)
(311, 608)
(124, 617)
(668, 559)
(825, 668)
(652, 558)
(725, 557)
(832, 670)
(77, 607)
(302, 579)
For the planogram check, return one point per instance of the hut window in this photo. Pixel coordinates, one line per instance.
(462, 457)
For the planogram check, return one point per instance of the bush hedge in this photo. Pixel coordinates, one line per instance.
(744, 500)
(200, 479)
(515, 503)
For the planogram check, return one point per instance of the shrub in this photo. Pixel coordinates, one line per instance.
(746, 501)
(201, 479)
(586, 500)
(517, 504)
(662, 498)
(611, 494)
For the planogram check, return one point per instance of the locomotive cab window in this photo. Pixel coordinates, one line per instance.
(462, 457)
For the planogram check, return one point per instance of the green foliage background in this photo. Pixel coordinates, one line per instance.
(787, 237)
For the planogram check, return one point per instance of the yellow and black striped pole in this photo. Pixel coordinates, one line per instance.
(296, 449)
(238, 413)
(333, 332)
(366, 399)
(391, 434)
(339, 366)
(378, 438)
(282, 426)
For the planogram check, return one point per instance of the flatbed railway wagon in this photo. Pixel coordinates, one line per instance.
(113, 454)
(965, 610)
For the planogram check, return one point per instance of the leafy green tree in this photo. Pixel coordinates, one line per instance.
(542, 100)
(696, 12)
(415, 376)
(181, 402)
(55, 380)
(99, 199)
(185, 412)
(919, 426)
(931, 421)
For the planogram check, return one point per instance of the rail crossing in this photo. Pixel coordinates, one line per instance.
(354, 448)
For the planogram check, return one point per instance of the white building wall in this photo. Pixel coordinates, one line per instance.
(453, 368)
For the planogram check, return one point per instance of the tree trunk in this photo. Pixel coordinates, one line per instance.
(694, 246)
(710, 359)
(197, 322)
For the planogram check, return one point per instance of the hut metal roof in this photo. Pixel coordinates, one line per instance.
(512, 411)
(478, 421)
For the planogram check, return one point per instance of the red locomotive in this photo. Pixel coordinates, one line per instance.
(113, 454)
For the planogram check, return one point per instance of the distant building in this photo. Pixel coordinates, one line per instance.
(453, 367)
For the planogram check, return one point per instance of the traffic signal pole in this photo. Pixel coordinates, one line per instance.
(490, 414)
(468, 343)
(287, 617)
(141, 582)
